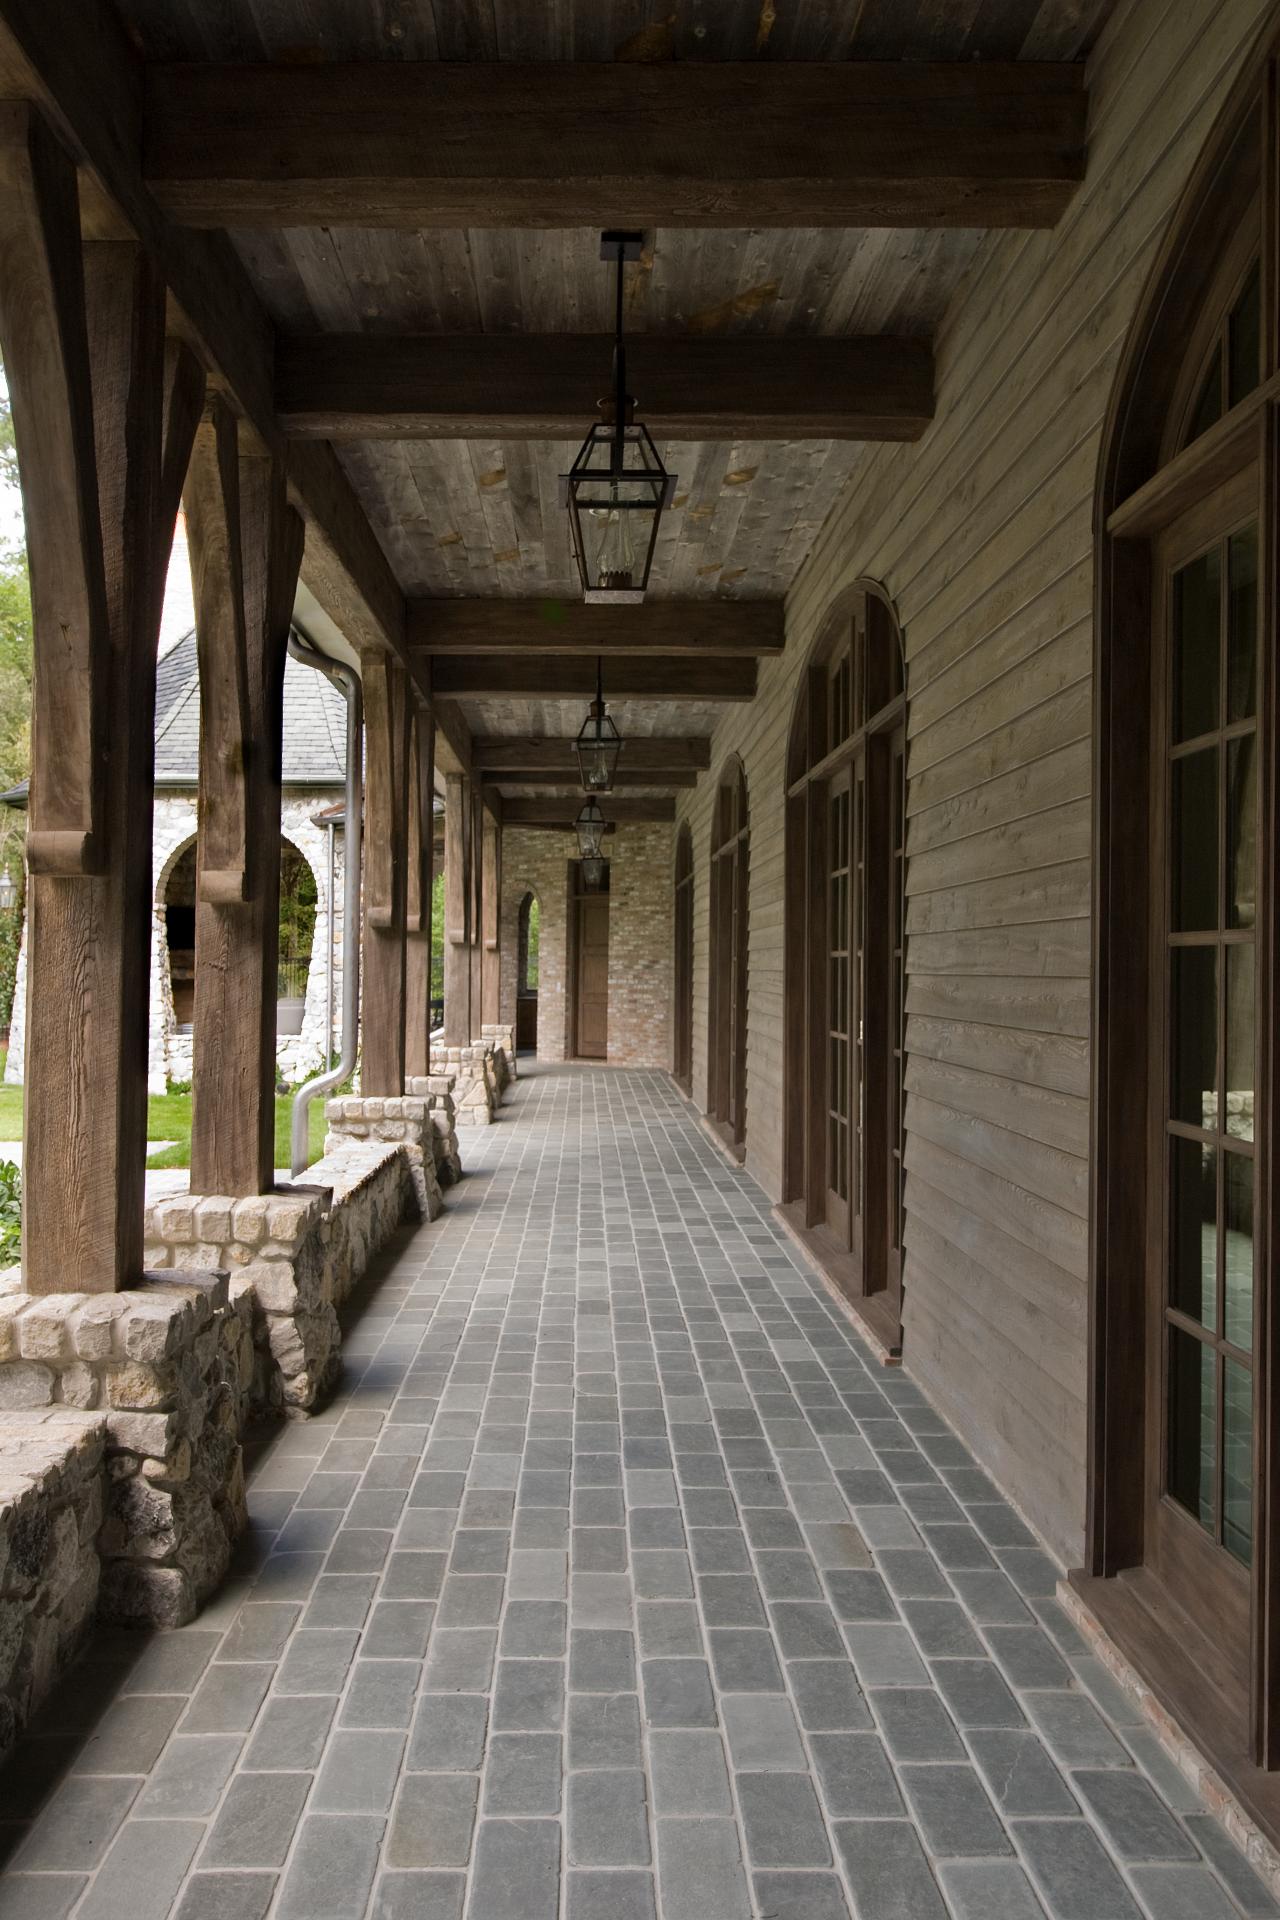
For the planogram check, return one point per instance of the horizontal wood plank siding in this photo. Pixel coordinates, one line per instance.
(982, 536)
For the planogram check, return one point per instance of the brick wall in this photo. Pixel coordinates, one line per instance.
(640, 934)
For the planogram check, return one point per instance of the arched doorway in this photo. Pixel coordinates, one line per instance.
(178, 904)
(682, 981)
(528, 931)
(844, 957)
(299, 899)
(727, 998)
(1184, 1395)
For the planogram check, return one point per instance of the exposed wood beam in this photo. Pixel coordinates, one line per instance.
(537, 628)
(526, 777)
(694, 144)
(75, 59)
(561, 812)
(492, 753)
(629, 676)
(453, 736)
(340, 386)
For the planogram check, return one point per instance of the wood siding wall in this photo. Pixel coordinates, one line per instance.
(982, 535)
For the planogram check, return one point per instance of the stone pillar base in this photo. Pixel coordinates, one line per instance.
(475, 1094)
(168, 1365)
(503, 1041)
(437, 1090)
(403, 1122)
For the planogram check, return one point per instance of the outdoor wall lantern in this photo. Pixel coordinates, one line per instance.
(593, 872)
(8, 892)
(618, 486)
(598, 743)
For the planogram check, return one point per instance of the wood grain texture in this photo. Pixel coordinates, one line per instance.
(447, 144)
(387, 717)
(457, 910)
(342, 386)
(656, 676)
(693, 628)
(418, 951)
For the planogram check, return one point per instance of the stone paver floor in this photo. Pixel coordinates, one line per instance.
(617, 1582)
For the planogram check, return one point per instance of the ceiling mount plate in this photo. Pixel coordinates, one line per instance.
(621, 246)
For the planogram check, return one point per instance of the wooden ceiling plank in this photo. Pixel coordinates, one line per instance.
(423, 143)
(696, 629)
(659, 677)
(624, 777)
(511, 386)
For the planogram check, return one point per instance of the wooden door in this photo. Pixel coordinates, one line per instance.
(1204, 1053)
(592, 1009)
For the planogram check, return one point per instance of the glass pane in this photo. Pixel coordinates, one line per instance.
(1193, 1215)
(1193, 1036)
(1242, 624)
(1237, 1461)
(1241, 1058)
(1242, 831)
(1244, 339)
(1237, 1200)
(1197, 618)
(1195, 842)
(1208, 407)
(1191, 1425)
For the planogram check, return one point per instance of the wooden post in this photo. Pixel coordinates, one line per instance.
(386, 719)
(491, 915)
(475, 907)
(457, 911)
(246, 548)
(417, 1039)
(103, 419)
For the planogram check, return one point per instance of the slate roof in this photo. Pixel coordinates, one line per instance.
(315, 722)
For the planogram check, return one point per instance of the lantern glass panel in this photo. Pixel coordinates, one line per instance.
(614, 507)
(590, 825)
(598, 746)
(593, 872)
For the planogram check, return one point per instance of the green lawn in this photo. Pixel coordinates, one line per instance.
(169, 1118)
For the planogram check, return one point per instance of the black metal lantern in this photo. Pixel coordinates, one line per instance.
(593, 872)
(618, 486)
(589, 827)
(598, 744)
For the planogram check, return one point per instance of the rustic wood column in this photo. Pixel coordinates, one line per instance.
(475, 909)
(491, 916)
(457, 911)
(417, 1037)
(246, 548)
(103, 419)
(386, 720)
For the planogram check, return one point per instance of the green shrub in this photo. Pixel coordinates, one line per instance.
(10, 1211)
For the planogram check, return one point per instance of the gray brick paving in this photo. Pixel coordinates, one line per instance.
(616, 1583)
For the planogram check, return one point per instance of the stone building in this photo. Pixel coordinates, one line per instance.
(312, 840)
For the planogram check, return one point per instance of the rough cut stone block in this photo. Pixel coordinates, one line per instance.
(25, 1383)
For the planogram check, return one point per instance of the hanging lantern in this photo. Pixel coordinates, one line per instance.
(589, 827)
(593, 872)
(598, 744)
(618, 486)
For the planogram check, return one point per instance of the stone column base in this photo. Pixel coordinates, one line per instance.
(168, 1365)
(503, 1041)
(437, 1090)
(475, 1094)
(403, 1122)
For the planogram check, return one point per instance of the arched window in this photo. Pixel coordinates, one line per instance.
(682, 1023)
(727, 999)
(528, 931)
(844, 957)
(1185, 918)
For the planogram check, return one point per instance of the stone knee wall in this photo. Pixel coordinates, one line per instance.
(51, 1506)
(168, 1369)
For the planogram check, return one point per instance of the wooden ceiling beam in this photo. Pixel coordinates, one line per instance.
(496, 753)
(652, 676)
(74, 58)
(504, 386)
(561, 812)
(624, 777)
(689, 144)
(694, 629)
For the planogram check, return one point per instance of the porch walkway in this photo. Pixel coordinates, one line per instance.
(758, 1715)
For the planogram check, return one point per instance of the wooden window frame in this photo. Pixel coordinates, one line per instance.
(859, 647)
(682, 962)
(729, 973)
(1230, 1705)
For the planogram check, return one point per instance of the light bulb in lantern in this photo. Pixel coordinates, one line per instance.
(615, 564)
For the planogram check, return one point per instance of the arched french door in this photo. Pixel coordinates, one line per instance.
(682, 983)
(727, 997)
(1183, 1569)
(844, 957)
